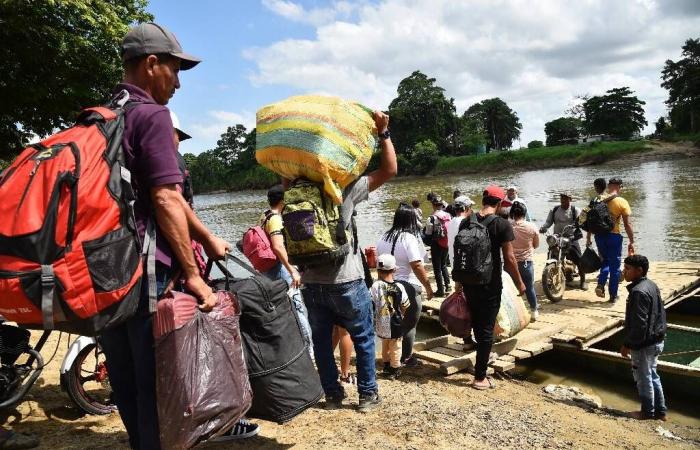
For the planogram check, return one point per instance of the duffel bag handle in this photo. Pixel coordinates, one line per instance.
(224, 268)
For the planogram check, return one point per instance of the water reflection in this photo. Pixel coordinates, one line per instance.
(663, 195)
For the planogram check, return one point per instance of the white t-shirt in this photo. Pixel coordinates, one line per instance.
(408, 249)
(452, 231)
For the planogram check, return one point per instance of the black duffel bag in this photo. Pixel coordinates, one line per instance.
(590, 261)
(282, 374)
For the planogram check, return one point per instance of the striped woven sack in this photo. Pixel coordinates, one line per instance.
(327, 140)
(513, 315)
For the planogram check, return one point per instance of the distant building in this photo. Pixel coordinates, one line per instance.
(593, 138)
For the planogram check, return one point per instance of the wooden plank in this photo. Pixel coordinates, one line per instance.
(537, 348)
(561, 337)
(434, 357)
(502, 366)
(430, 343)
(459, 347)
(520, 354)
(448, 351)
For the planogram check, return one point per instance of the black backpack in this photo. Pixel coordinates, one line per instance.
(396, 319)
(598, 218)
(473, 264)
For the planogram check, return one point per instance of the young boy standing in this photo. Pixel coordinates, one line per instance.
(645, 329)
(390, 303)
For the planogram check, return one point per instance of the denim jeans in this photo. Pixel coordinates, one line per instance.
(610, 249)
(350, 306)
(131, 362)
(439, 257)
(527, 273)
(648, 382)
(279, 271)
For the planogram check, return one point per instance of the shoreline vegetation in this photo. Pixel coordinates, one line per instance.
(595, 153)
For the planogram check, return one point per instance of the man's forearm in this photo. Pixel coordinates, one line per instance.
(172, 220)
(629, 231)
(198, 230)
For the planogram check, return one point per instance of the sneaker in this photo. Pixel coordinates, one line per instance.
(335, 401)
(386, 369)
(242, 430)
(392, 373)
(661, 417)
(439, 294)
(535, 315)
(448, 289)
(412, 362)
(368, 401)
(613, 300)
(349, 379)
(584, 286)
(600, 291)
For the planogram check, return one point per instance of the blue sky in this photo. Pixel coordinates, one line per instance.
(537, 55)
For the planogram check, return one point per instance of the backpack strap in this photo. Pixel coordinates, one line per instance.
(149, 251)
(488, 220)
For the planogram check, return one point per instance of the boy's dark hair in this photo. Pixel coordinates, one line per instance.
(638, 261)
(456, 194)
(600, 184)
(415, 203)
(431, 196)
(490, 201)
(275, 195)
(518, 211)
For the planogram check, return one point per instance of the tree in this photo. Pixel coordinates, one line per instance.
(501, 124)
(424, 157)
(562, 130)
(682, 79)
(535, 144)
(231, 144)
(618, 113)
(471, 136)
(575, 108)
(422, 112)
(661, 128)
(57, 57)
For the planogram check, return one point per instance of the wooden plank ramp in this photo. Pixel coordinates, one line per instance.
(578, 321)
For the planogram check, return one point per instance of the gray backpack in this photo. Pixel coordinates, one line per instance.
(473, 264)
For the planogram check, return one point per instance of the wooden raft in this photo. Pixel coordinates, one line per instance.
(580, 320)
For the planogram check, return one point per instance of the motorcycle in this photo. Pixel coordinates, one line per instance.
(83, 372)
(559, 268)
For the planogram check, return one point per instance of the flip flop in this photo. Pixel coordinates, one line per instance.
(480, 387)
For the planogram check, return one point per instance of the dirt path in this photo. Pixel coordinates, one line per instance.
(420, 410)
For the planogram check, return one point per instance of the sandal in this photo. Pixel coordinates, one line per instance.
(482, 387)
(349, 379)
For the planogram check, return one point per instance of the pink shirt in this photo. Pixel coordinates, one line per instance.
(525, 233)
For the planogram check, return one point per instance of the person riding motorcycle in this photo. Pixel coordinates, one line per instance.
(560, 216)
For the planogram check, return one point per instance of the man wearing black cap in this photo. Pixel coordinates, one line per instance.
(152, 58)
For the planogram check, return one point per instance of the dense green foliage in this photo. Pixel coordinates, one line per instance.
(57, 57)
(422, 112)
(618, 113)
(500, 124)
(596, 153)
(682, 79)
(535, 144)
(229, 166)
(423, 157)
(562, 130)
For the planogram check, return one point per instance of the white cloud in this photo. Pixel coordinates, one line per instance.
(207, 132)
(535, 54)
(315, 16)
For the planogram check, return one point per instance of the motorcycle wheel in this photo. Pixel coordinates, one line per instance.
(87, 382)
(553, 282)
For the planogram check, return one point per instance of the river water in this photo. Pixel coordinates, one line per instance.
(665, 214)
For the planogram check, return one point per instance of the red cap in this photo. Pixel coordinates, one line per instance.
(495, 191)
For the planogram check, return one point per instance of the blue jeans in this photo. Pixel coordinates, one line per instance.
(527, 273)
(131, 363)
(279, 271)
(648, 382)
(350, 306)
(610, 250)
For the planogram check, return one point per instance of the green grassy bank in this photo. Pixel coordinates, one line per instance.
(538, 158)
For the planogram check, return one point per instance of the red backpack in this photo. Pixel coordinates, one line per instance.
(257, 247)
(440, 229)
(70, 258)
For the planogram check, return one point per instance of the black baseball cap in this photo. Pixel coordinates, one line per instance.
(615, 180)
(152, 39)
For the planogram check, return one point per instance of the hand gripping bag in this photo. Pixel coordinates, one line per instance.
(455, 315)
(201, 378)
(323, 139)
(282, 374)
